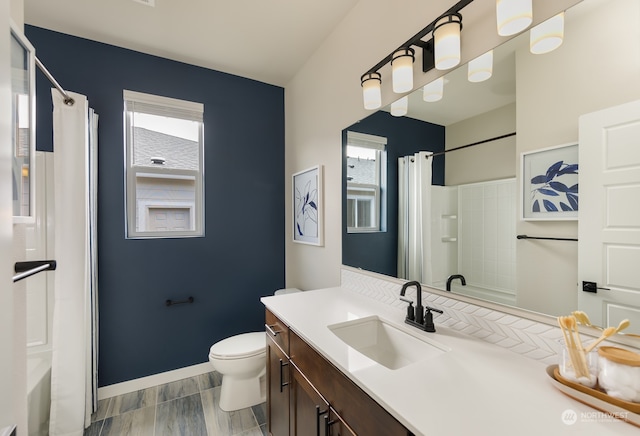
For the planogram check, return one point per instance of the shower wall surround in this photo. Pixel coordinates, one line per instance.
(487, 239)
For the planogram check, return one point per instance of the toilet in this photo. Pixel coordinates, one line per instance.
(241, 360)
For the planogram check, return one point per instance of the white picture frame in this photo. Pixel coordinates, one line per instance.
(307, 206)
(550, 183)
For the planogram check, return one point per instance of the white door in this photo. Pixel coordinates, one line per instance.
(609, 217)
(10, 393)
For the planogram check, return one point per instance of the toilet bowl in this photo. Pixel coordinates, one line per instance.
(242, 362)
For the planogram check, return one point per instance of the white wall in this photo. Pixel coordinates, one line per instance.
(573, 80)
(325, 97)
(490, 161)
(13, 404)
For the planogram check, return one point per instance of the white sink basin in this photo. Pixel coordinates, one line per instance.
(384, 343)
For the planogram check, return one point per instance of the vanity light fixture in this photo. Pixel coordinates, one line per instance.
(446, 41)
(481, 68)
(402, 70)
(446, 36)
(371, 90)
(399, 108)
(513, 16)
(433, 91)
(548, 35)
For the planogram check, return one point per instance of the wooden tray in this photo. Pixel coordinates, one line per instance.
(595, 398)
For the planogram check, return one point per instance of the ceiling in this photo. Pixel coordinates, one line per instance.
(265, 40)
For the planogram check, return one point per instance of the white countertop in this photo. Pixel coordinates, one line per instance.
(475, 388)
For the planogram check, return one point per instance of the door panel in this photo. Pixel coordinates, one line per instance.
(12, 330)
(609, 220)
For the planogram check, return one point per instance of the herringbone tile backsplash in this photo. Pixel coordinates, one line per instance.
(530, 338)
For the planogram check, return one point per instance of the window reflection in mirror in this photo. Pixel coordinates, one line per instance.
(364, 181)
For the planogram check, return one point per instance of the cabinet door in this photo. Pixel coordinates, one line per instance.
(278, 392)
(309, 411)
(363, 414)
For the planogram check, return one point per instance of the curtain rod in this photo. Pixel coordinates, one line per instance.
(67, 99)
(471, 145)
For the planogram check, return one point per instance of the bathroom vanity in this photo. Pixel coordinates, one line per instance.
(308, 395)
(321, 380)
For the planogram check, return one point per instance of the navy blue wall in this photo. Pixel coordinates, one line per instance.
(242, 256)
(378, 251)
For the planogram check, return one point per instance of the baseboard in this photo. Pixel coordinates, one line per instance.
(153, 380)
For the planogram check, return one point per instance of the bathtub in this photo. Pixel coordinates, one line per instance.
(38, 393)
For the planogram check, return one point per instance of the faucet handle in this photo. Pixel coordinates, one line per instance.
(410, 311)
(428, 318)
(433, 309)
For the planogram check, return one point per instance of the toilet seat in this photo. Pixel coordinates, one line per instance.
(239, 346)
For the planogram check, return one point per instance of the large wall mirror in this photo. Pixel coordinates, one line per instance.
(531, 102)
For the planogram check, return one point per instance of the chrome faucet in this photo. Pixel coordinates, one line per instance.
(416, 317)
(453, 277)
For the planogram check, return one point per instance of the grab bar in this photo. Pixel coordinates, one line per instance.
(29, 268)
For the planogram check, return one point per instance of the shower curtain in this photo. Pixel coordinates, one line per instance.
(414, 217)
(74, 342)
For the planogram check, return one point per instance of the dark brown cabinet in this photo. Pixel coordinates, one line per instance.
(313, 397)
(309, 412)
(278, 392)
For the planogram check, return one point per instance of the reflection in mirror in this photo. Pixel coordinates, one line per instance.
(474, 195)
(23, 132)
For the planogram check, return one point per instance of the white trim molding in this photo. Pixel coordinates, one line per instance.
(153, 380)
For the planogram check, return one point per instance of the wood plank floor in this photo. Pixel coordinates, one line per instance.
(187, 407)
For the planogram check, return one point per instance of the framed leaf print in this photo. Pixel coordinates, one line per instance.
(550, 183)
(307, 206)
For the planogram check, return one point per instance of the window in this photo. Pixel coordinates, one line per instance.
(366, 180)
(164, 149)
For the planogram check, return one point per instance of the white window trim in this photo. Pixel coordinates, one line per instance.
(379, 144)
(171, 107)
(376, 205)
(366, 141)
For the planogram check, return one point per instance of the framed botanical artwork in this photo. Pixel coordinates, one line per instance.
(307, 206)
(550, 183)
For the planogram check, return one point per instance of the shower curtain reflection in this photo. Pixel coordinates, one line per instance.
(414, 217)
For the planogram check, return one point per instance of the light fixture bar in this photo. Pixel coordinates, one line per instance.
(416, 40)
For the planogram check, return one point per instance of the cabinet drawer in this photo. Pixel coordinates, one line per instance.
(363, 414)
(277, 331)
